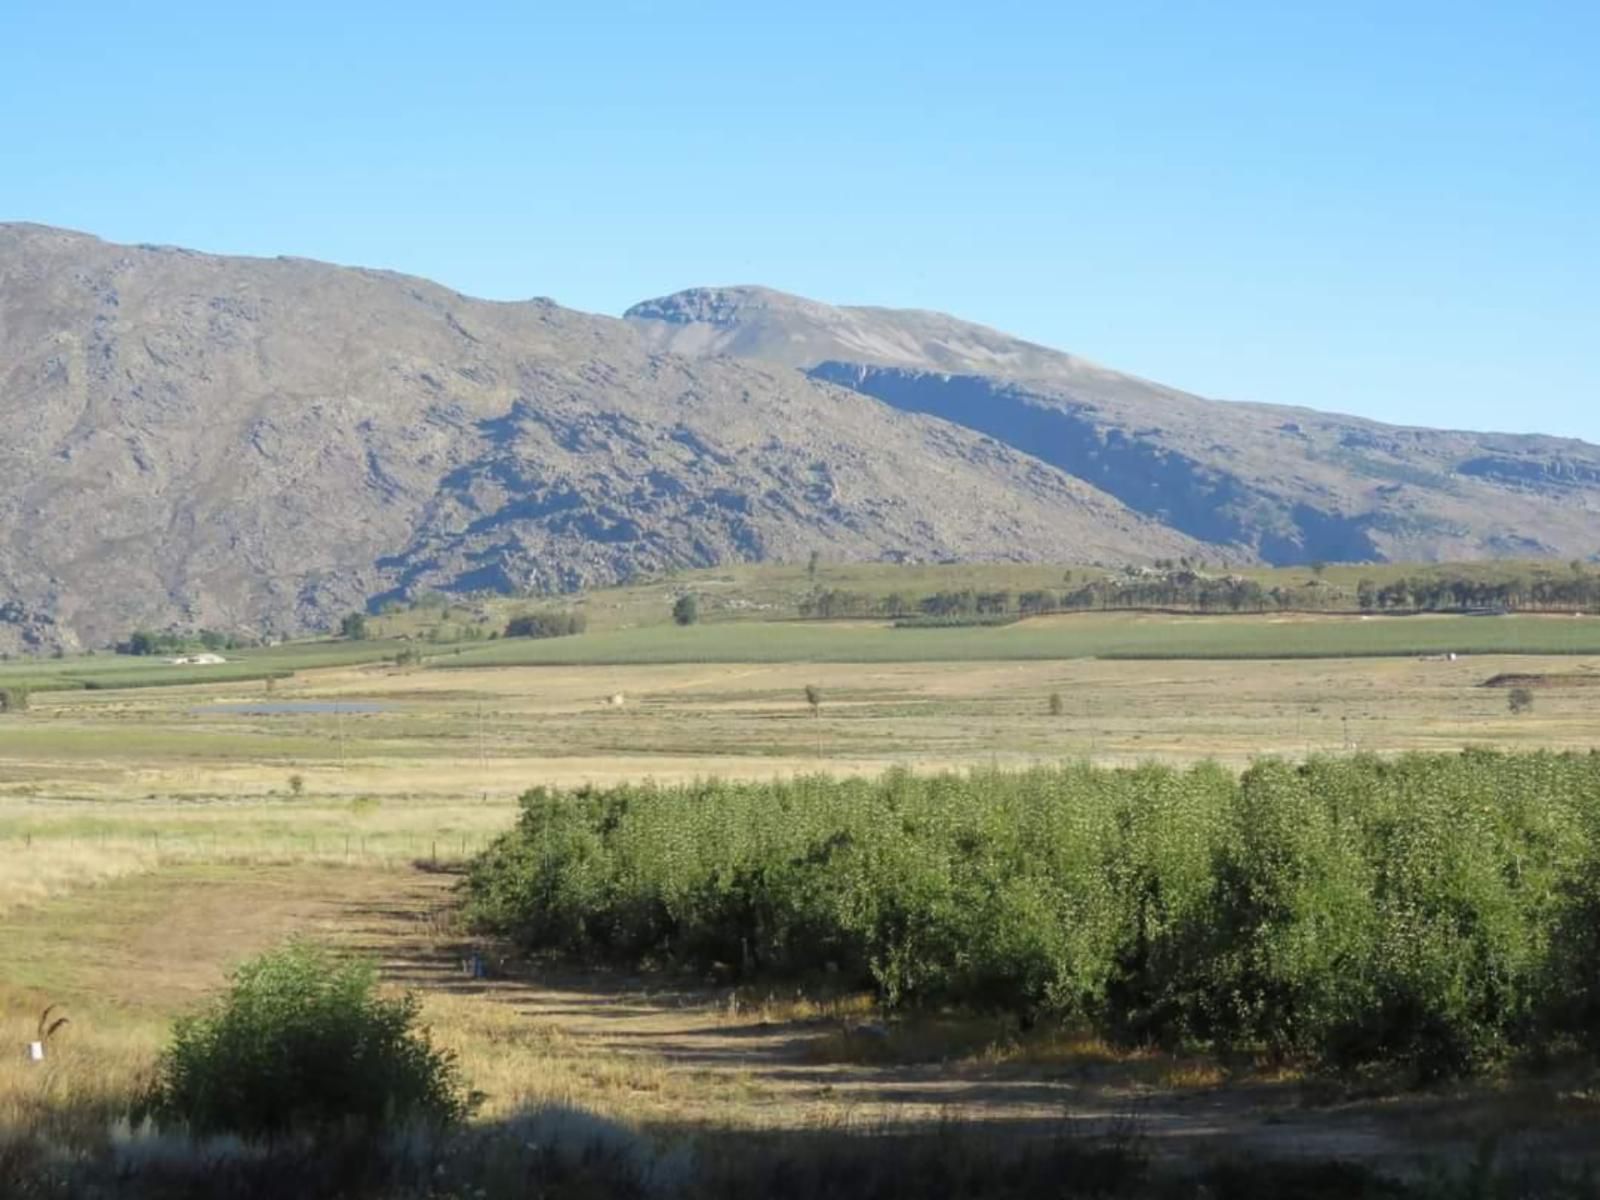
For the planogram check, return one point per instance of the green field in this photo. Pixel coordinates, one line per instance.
(107, 671)
(1090, 635)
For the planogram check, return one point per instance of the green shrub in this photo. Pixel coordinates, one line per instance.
(1436, 911)
(303, 1042)
(546, 625)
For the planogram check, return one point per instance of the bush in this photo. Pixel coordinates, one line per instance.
(546, 625)
(302, 1042)
(1520, 700)
(686, 611)
(353, 627)
(13, 699)
(1436, 911)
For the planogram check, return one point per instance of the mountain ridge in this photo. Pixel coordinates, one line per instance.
(1283, 483)
(266, 443)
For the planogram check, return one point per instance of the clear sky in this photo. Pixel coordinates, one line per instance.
(1384, 208)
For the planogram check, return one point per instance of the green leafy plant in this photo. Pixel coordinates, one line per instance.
(1432, 912)
(304, 1042)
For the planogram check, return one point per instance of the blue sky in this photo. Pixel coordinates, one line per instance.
(1390, 209)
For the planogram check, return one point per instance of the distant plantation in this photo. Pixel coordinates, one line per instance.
(1084, 635)
(1186, 587)
(1437, 911)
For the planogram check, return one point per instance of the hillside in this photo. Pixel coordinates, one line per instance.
(264, 444)
(1286, 485)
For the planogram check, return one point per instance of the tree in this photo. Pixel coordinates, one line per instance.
(297, 785)
(1520, 700)
(812, 564)
(687, 609)
(1057, 707)
(546, 625)
(13, 700)
(354, 627)
(143, 642)
(814, 699)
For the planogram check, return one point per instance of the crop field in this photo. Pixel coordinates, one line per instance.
(1087, 635)
(991, 876)
(117, 671)
(1432, 913)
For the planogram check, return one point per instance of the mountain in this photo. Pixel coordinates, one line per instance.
(265, 444)
(1283, 484)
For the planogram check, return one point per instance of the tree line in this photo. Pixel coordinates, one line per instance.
(1436, 911)
(1189, 590)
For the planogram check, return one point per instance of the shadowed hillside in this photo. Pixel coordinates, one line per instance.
(1288, 485)
(267, 443)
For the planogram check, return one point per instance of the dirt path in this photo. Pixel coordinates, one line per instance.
(129, 955)
(640, 1050)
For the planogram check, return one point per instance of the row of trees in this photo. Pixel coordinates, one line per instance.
(1434, 593)
(145, 642)
(546, 625)
(1435, 910)
(1186, 589)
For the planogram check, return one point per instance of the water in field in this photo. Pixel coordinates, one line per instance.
(282, 708)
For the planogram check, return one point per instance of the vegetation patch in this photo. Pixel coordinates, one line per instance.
(1439, 912)
(1555, 679)
(303, 1042)
(955, 620)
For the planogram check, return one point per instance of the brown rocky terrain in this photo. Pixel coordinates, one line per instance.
(265, 444)
(1283, 484)
(198, 441)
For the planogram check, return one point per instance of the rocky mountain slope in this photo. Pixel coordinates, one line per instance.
(266, 444)
(1287, 485)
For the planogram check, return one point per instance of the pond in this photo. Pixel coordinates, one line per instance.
(282, 708)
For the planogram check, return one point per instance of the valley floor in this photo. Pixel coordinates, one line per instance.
(150, 839)
(671, 1058)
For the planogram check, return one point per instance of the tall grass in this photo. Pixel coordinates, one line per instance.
(1437, 910)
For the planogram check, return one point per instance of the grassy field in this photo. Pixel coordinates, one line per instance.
(438, 736)
(119, 671)
(151, 836)
(1087, 635)
(775, 590)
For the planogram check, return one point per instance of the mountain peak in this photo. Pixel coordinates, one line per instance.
(763, 323)
(722, 306)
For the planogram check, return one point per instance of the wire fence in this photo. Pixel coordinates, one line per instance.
(441, 847)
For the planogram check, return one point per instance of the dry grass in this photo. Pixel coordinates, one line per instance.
(31, 871)
(130, 909)
(448, 737)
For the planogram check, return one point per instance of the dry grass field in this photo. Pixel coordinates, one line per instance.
(450, 735)
(151, 838)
